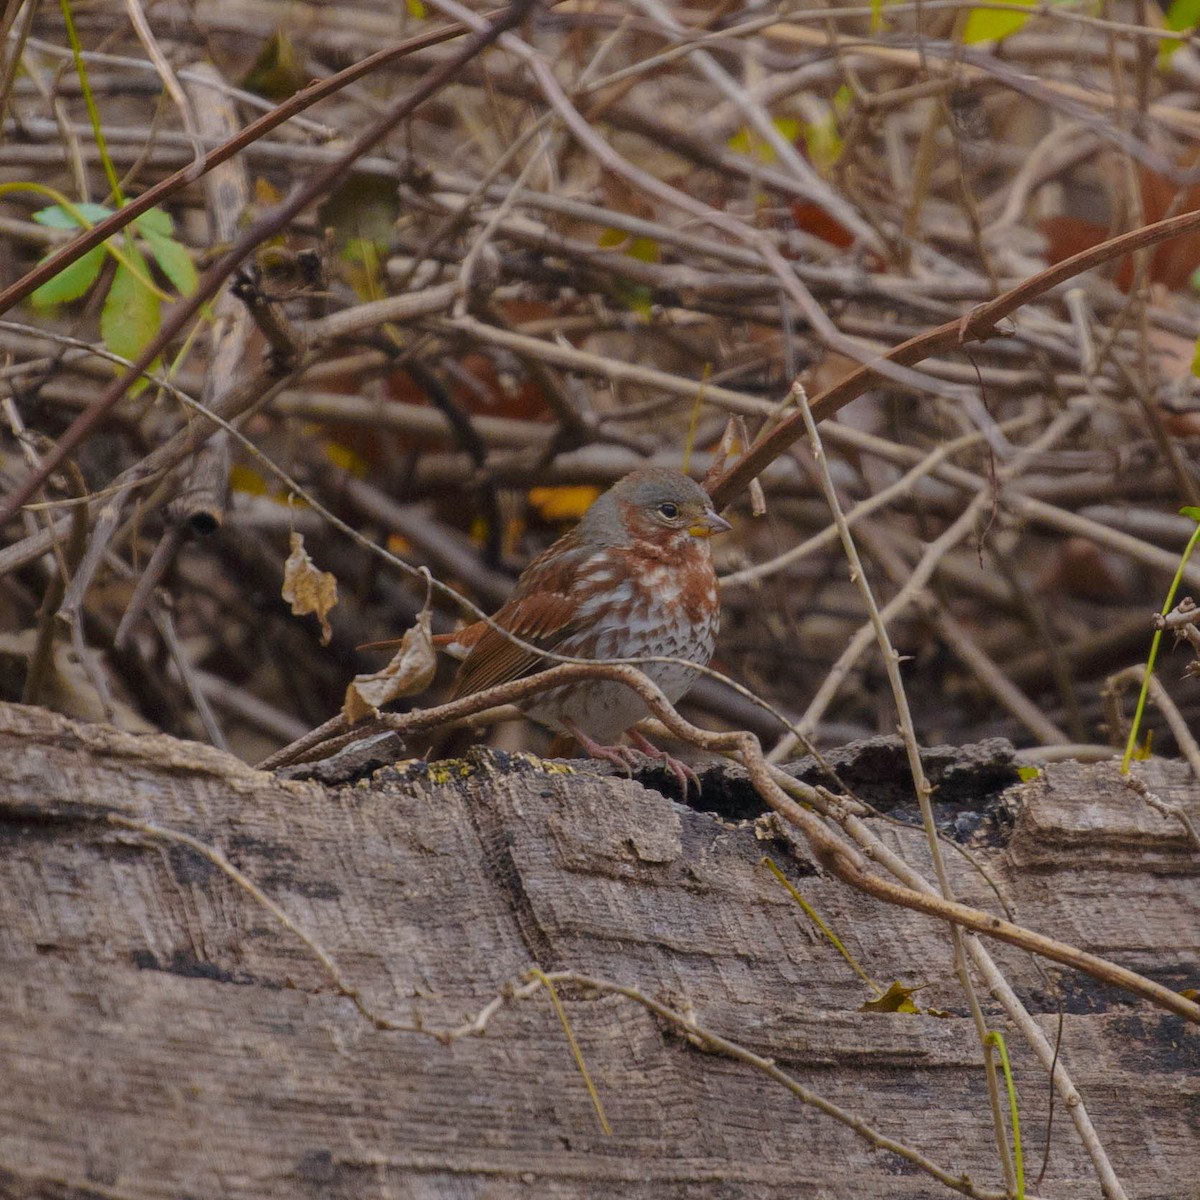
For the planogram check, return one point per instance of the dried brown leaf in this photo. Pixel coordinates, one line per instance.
(411, 671)
(307, 589)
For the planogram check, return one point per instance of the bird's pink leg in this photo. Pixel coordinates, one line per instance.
(680, 770)
(627, 758)
(620, 756)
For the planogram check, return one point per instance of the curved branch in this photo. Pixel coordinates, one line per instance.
(977, 325)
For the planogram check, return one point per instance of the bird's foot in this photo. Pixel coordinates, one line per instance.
(628, 757)
(619, 756)
(680, 770)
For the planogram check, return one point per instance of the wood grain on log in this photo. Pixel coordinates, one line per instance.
(163, 1034)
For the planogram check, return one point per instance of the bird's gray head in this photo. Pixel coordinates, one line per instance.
(656, 504)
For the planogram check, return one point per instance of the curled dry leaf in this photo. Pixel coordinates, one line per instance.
(410, 671)
(306, 589)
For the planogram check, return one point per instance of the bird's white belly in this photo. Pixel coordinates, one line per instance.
(604, 709)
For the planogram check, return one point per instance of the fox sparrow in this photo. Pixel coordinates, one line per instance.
(633, 578)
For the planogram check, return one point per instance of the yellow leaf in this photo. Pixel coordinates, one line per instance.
(266, 193)
(1144, 753)
(645, 250)
(411, 671)
(479, 531)
(245, 479)
(993, 24)
(824, 143)
(347, 459)
(897, 999)
(306, 589)
(562, 503)
(747, 141)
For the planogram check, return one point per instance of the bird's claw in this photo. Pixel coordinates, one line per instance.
(628, 757)
(682, 772)
(619, 756)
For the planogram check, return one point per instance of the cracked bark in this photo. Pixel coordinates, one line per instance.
(163, 1034)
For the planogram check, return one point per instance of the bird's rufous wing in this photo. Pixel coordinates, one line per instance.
(542, 618)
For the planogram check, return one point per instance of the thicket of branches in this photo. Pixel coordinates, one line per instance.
(465, 287)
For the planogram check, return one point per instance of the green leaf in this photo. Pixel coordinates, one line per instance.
(1180, 15)
(71, 282)
(1028, 774)
(1190, 511)
(990, 24)
(131, 315)
(362, 207)
(154, 220)
(175, 261)
(278, 71)
(635, 297)
(416, 9)
(57, 217)
(362, 251)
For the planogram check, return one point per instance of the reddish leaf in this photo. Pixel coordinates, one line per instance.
(811, 218)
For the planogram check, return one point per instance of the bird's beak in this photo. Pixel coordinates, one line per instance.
(709, 524)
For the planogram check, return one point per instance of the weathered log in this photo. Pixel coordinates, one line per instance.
(166, 1031)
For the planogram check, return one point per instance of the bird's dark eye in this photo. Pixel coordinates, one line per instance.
(669, 510)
